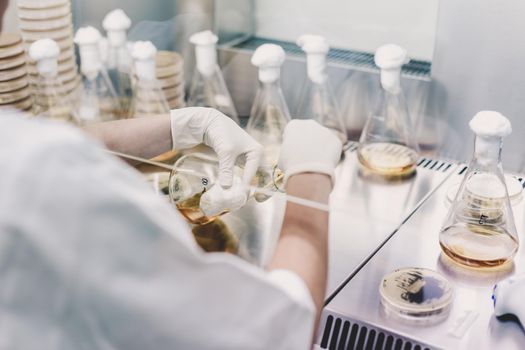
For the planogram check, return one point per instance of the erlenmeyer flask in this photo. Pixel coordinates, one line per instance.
(269, 114)
(48, 102)
(118, 65)
(387, 148)
(479, 231)
(148, 97)
(208, 88)
(197, 173)
(317, 100)
(96, 99)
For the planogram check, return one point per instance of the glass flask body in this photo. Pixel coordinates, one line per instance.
(119, 71)
(479, 231)
(148, 99)
(211, 91)
(268, 118)
(195, 173)
(387, 149)
(48, 102)
(96, 99)
(318, 102)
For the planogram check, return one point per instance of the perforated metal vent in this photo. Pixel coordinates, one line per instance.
(432, 164)
(342, 333)
(355, 59)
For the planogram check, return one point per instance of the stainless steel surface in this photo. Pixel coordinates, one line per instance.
(470, 324)
(477, 59)
(363, 213)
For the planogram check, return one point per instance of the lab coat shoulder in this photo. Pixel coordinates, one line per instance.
(92, 256)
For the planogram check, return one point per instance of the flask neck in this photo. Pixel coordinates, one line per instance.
(90, 60)
(391, 80)
(145, 70)
(206, 57)
(117, 38)
(270, 75)
(487, 150)
(47, 67)
(316, 67)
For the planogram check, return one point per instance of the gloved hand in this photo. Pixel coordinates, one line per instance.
(195, 125)
(309, 147)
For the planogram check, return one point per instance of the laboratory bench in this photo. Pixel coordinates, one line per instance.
(387, 227)
(375, 228)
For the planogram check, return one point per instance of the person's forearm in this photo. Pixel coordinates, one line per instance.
(141, 137)
(303, 245)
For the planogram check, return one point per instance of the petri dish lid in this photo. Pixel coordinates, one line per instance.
(41, 4)
(16, 84)
(172, 93)
(9, 39)
(50, 34)
(12, 62)
(172, 81)
(44, 13)
(10, 51)
(11, 74)
(23, 105)
(168, 59)
(416, 295)
(45, 25)
(14, 96)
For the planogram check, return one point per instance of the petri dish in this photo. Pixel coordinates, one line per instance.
(44, 13)
(41, 4)
(10, 51)
(9, 39)
(416, 296)
(57, 34)
(12, 74)
(11, 85)
(12, 62)
(172, 93)
(172, 81)
(24, 104)
(13, 96)
(169, 59)
(46, 24)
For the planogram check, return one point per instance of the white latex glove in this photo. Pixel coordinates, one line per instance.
(195, 125)
(309, 147)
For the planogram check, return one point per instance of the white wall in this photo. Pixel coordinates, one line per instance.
(351, 24)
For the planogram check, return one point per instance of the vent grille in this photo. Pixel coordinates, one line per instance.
(433, 164)
(356, 59)
(346, 334)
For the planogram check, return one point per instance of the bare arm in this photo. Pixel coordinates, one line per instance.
(140, 137)
(303, 245)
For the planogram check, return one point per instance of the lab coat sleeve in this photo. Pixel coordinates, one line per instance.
(91, 258)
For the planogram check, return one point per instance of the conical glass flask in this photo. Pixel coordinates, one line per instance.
(479, 231)
(208, 88)
(96, 99)
(116, 23)
(48, 102)
(195, 174)
(148, 97)
(387, 147)
(317, 100)
(269, 114)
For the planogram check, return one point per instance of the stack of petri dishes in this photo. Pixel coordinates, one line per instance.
(14, 84)
(51, 19)
(170, 68)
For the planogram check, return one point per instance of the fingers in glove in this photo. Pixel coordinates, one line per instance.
(253, 159)
(226, 168)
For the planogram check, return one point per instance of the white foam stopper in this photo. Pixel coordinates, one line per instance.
(205, 51)
(144, 53)
(268, 58)
(316, 47)
(219, 199)
(45, 53)
(390, 58)
(88, 41)
(116, 23)
(490, 128)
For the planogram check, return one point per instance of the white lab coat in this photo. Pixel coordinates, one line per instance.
(91, 258)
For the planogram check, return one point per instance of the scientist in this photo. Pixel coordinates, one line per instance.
(91, 258)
